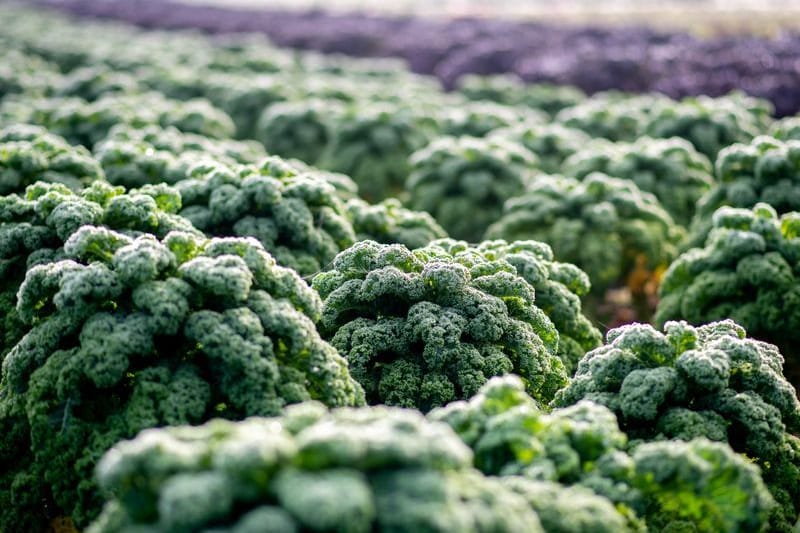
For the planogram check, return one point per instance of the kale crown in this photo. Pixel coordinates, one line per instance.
(127, 333)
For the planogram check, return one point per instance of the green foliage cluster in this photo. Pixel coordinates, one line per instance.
(388, 222)
(298, 129)
(297, 217)
(558, 287)
(671, 169)
(766, 170)
(367, 470)
(501, 88)
(424, 327)
(126, 333)
(709, 381)
(92, 82)
(695, 486)
(35, 226)
(24, 73)
(86, 123)
(510, 90)
(464, 181)
(244, 96)
(747, 271)
(786, 129)
(30, 153)
(711, 124)
(152, 154)
(372, 145)
(158, 243)
(479, 118)
(551, 98)
(612, 115)
(552, 143)
(607, 227)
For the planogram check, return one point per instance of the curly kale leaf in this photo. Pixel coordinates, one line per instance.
(708, 381)
(425, 327)
(390, 223)
(747, 272)
(464, 181)
(29, 154)
(148, 333)
(607, 227)
(671, 169)
(397, 471)
(298, 218)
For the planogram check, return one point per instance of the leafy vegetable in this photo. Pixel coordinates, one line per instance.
(708, 381)
(296, 216)
(670, 169)
(745, 272)
(464, 181)
(662, 486)
(389, 222)
(426, 327)
(607, 227)
(29, 153)
(375, 469)
(129, 333)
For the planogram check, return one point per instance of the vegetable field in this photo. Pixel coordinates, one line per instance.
(248, 288)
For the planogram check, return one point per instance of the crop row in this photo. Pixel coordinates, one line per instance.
(632, 58)
(247, 289)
